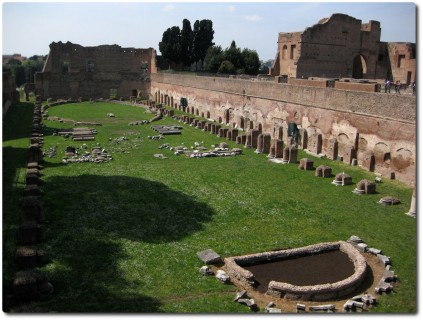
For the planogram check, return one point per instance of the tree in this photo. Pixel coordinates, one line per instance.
(186, 43)
(18, 71)
(233, 54)
(14, 62)
(227, 67)
(187, 46)
(20, 76)
(266, 65)
(32, 65)
(170, 46)
(195, 43)
(203, 35)
(250, 61)
(213, 58)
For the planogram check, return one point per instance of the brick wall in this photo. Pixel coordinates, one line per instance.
(361, 122)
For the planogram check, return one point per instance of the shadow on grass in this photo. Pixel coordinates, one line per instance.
(17, 123)
(86, 277)
(125, 207)
(92, 222)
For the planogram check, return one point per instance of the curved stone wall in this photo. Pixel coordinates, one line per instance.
(316, 293)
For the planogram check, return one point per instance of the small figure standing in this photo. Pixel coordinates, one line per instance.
(413, 86)
(387, 86)
(398, 87)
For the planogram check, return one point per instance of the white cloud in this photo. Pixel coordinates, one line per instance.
(231, 8)
(169, 7)
(253, 18)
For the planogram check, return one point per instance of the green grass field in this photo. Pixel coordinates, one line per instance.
(123, 235)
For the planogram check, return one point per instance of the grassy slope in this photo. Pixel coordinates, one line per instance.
(123, 236)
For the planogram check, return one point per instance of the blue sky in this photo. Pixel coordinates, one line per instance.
(28, 28)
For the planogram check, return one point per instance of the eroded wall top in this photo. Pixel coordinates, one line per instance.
(103, 58)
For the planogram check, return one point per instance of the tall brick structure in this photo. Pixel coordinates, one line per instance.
(73, 71)
(342, 47)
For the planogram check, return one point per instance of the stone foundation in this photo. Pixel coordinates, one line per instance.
(285, 290)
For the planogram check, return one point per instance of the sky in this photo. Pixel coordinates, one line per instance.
(29, 27)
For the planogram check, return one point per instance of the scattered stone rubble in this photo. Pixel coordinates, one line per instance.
(389, 277)
(159, 156)
(155, 138)
(222, 276)
(270, 308)
(206, 271)
(97, 155)
(359, 303)
(52, 152)
(167, 130)
(326, 308)
(199, 151)
(138, 122)
(217, 152)
(243, 298)
(389, 201)
(77, 134)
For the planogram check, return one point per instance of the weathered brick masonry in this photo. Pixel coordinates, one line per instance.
(377, 129)
(343, 47)
(74, 71)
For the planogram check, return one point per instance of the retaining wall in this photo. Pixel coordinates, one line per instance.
(377, 129)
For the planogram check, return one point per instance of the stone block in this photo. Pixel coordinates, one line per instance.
(383, 287)
(209, 256)
(29, 258)
(306, 164)
(323, 171)
(384, 259)
(31, 285)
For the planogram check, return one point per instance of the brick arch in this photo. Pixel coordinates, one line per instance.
(359, 66)
(382, 154)
(343, 142)
(362, 144)
(402, 158)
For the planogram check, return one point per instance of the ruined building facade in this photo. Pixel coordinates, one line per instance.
(74, 71)
(342, 47)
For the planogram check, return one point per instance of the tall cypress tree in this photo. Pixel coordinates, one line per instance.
(186, 43)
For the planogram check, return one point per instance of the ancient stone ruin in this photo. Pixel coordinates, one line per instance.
(306, 164)
(323, 171)
(300, 55)
(322, 292)
(342, 179)
(365, 187)
(72, 71)
(29, 283)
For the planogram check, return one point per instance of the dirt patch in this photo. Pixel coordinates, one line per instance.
(327, 267)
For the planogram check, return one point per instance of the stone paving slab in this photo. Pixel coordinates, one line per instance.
(209, 256)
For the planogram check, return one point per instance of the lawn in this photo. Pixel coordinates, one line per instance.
(122, 236)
